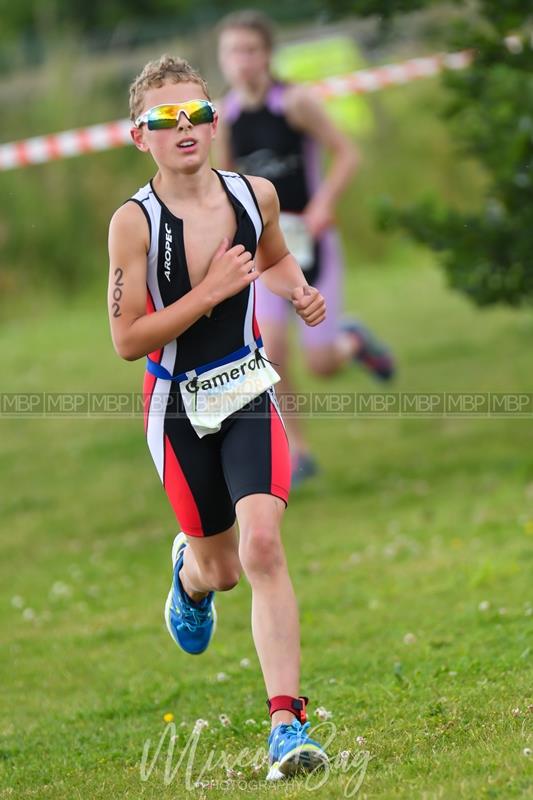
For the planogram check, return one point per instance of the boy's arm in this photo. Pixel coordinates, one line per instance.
(306, 112)
(136, 333)
(277, 268)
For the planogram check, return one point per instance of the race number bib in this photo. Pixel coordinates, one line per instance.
(211, 397)
(299, 240)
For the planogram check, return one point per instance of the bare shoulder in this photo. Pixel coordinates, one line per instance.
(266, 196)
(129, 221)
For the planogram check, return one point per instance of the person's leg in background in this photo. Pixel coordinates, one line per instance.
(328, 347)
(333, 344)
(274, 314)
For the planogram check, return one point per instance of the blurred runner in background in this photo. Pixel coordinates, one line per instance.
(277, 130)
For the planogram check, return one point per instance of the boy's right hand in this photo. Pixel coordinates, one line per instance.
(230, 271)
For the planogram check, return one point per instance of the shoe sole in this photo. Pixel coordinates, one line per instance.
(303, 759)
(178, 541)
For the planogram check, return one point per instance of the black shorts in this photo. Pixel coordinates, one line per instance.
(204, 478)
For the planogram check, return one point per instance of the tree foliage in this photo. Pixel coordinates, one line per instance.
(487, 252)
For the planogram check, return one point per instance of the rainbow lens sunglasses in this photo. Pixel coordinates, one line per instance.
(167, 115)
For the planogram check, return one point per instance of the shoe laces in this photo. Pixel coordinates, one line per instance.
(193, 618)
(294, 730)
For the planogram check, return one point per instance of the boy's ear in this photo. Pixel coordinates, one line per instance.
(138, 139)
(214, 124)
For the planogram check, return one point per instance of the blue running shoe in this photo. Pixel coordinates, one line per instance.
(291, 751)
(372, 353)
(190, 624)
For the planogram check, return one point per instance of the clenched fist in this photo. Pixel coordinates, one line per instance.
(309, 305)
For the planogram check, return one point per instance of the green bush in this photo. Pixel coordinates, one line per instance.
(486, 251)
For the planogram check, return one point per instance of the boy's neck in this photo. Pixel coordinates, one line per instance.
(181, 187)
(253, 95)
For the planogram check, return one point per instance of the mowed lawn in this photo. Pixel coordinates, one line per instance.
(411, 554)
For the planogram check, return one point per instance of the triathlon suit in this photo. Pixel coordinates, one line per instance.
(205, 477)
(262, 142)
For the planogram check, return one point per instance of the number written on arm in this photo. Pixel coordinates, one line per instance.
(117, 291)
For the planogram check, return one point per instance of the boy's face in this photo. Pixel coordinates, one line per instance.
(243, 56)
(164, 145)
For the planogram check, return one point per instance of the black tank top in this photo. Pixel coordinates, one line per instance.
(232, 322)
(264, 143)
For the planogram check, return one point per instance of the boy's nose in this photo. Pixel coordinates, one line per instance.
(183, 120)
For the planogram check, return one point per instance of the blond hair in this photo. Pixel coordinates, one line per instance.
(158, 72)
(251, 20)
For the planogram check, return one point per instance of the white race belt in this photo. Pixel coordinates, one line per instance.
(213, 392)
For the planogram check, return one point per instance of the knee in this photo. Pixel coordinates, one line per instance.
(222, 577)
(261, 552)
(320, 363)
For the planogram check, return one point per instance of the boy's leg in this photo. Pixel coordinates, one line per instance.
(325, 348)
(210, 564)
(275, 624)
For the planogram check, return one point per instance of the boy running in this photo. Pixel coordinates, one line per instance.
(276, 130)
(185, 252)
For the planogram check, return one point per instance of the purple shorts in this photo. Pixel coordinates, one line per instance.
(271, 308)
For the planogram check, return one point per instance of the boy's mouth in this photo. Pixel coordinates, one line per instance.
(186, 144)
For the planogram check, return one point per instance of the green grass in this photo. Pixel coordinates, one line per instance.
(412, 524)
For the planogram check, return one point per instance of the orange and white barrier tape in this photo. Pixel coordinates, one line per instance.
(371, 80)
(40, 149)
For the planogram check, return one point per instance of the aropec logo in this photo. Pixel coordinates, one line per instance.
(168, 251)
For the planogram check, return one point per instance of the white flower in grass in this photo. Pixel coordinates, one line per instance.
(344, 756)
(245, 663)
(361, 741)
(484, 605)
(250, 722)
(527, 751)
(233, 773)
(199, 725)
(224, 720)
(516, 712)
(17, 601)
(409, 638)
(60, 589)
(323, 714)
(256, 768)
(221, 677)
(265, 722)
(28, 614)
